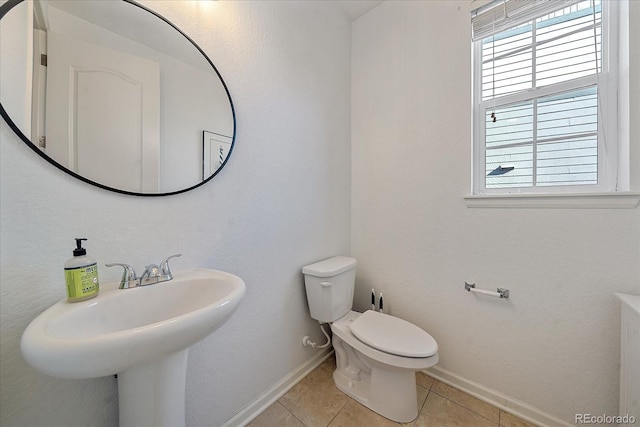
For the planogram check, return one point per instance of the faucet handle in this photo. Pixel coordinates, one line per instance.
(129, 278)
(164, 265)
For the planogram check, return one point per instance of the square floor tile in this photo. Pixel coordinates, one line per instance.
(424, 380)
(476, 405)
(441, 412)
(276, 415)
(355, 414)
(315, 400)
(508, 420)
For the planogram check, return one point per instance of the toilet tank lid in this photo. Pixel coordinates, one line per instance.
(329, 267)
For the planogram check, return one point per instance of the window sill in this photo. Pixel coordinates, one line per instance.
(621, 200)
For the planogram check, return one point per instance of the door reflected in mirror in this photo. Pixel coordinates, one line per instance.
(115, 94)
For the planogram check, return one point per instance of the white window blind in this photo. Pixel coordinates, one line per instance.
(538, 94)
(501, 15)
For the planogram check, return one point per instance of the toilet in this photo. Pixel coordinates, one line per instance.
(377, 355)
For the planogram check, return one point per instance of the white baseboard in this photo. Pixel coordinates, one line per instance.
(266, 399)
(507, 404)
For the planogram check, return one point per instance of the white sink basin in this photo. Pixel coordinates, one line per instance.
(122, 328)
(142, 334)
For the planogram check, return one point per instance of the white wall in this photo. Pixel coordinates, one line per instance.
(554, 343)
(284, 200)
(281, 202)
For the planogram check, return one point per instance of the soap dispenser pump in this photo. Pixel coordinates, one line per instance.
(81, 275)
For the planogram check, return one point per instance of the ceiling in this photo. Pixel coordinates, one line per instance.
(354, 9)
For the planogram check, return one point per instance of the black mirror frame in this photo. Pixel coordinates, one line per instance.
(10, 4)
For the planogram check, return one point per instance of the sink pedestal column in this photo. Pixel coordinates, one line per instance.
(153, 394)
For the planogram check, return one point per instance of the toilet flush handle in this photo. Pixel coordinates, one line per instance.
(326, 284)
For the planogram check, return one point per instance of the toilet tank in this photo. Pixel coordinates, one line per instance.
(330, 285)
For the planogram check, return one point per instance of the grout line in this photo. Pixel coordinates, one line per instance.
(469, 409)
(291, 413)
(294, 416)
(338, 413)
(425, 400)
(509, 405)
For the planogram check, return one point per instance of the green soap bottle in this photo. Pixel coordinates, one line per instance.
(81, 275)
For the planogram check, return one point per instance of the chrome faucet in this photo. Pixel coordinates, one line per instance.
(152, 274)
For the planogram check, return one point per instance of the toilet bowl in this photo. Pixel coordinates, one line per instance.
(382, 381)
(377, 355)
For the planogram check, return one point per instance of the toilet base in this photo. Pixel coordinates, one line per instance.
(387, 390)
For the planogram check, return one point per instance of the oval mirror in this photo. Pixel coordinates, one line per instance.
(113, 94)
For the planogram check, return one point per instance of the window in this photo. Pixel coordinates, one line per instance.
(545, 97)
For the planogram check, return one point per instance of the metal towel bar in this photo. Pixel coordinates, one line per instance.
(500, 292)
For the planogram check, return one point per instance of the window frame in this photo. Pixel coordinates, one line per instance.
(606, 82)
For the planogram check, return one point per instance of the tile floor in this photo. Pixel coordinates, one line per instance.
(316, 402)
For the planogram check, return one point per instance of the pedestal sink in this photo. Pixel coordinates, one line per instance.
(142, 334)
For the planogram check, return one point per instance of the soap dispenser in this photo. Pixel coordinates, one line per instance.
(81, 275)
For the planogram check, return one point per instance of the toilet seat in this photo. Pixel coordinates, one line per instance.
(342, 329)
(393, 335)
